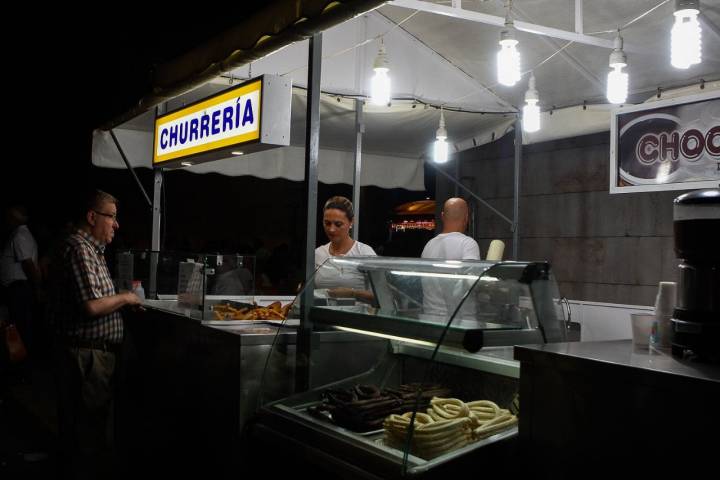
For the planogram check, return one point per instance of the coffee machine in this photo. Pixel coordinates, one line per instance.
(696, 318)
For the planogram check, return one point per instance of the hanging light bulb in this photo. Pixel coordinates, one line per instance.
(508, 58)
(380, 83)
(617, 82)
(441, 146)
(531, 110)
(686, 35)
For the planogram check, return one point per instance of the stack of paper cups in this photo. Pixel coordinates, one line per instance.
(496, 250)
(664, 306)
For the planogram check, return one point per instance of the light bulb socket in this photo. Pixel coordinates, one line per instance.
(687, 5)
(381, 61)
(507, 35)
(532, 93)
(618, 57)
(441, 132)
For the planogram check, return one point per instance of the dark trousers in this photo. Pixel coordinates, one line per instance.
(20, 302)
(86, 392)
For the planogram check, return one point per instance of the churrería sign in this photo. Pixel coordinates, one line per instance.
(666, 145)
(247, 118)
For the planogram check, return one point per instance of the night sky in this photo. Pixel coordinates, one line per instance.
(70, 71)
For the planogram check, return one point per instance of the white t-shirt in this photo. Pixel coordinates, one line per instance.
(452, 246)
(21, 246)
(441, 296)
(346, 276)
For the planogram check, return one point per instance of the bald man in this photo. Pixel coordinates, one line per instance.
(440, 296)
(452, 243)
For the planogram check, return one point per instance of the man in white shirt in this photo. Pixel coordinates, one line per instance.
(19, 273)
(452, 243)
(441, 296)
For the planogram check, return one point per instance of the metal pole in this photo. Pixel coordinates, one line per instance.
(579, 16)
(127, 164)
(457, 174)
(156, 216)
(155, 244)
(516, 192)
(359, 130)
(312, 143)
(470, 192)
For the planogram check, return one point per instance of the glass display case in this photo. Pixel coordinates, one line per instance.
(440, 388)
(205, 286)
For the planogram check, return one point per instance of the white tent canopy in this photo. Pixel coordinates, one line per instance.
(440, 60)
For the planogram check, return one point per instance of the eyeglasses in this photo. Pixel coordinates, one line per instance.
(109, 215)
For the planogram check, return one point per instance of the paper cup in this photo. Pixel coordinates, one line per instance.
(665, 300)
(496, 250)
(641, 328)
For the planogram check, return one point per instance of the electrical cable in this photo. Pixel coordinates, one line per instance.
(615, 30)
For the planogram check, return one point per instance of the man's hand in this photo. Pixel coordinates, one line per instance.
(131, 299)
(107, 305)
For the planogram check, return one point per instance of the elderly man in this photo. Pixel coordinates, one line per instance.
(440, 295)
(85, 310)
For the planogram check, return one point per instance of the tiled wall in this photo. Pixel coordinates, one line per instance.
(603, 248)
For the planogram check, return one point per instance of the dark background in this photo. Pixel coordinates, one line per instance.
(72, 70)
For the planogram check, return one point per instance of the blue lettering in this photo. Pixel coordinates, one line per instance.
(183, 133)
(173, 135)
(216, 122)
(227, 118)
(204, 126)
(237, 113)
(163, 138)
(248, 114)
(193, 129)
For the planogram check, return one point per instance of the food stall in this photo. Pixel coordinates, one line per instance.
(443, 92)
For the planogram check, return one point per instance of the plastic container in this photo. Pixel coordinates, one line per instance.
(138, 289)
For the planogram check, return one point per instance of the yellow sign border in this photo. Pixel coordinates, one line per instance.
(237, 139)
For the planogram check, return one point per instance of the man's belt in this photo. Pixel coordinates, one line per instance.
(93, 344)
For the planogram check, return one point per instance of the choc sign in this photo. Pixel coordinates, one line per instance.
(666, 145)
(689, 144)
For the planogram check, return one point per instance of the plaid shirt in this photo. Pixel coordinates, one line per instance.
(84, 276)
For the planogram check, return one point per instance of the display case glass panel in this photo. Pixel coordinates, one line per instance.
(407, 363)
(204, 286)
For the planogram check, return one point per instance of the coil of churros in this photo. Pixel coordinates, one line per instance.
(448, 425)
(363, 408)
(274, 311)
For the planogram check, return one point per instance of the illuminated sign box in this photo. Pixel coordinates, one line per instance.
(247, 118)
(666, 145)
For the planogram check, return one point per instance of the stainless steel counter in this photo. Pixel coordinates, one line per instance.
(621, 353)
(587, 409)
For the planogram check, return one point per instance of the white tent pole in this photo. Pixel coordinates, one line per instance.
(312, 147)
(574, 62)
(130, 169)
(516, 190)
(579, 16)
(500, 21)
(155, 243)
(359, 130)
